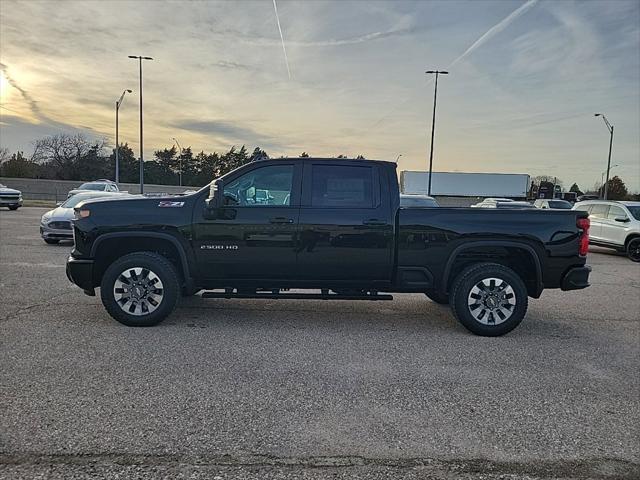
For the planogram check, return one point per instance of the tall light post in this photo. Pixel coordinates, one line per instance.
(433, 121)
(140, 58)
(179, 158)
(118, 103)
(398, 157)
(610, 128)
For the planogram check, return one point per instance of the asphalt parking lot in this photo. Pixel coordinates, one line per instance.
(312, 389)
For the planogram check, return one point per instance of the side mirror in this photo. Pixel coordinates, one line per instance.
(211, 203)
(622, 219)
(58, 204)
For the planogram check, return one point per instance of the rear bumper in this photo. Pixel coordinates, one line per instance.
(80, 272)
(576, 278)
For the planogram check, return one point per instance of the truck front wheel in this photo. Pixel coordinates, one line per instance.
(140, 289)
(489, 299)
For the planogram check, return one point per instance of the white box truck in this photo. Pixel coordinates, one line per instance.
(460, 184)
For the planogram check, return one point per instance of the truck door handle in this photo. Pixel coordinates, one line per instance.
(280, 220)
(374, 221)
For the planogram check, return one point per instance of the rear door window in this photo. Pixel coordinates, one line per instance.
(599, 211)
(343, 186)
(616, 212)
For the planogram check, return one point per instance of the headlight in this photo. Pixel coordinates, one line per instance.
(80, 213)
(45, 219)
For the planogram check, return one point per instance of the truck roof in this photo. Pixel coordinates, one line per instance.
(329, 159)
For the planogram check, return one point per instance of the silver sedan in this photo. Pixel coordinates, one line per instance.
(55, 225)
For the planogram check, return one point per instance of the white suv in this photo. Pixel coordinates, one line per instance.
(614, 225)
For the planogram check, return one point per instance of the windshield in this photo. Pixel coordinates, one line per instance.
(635, 211)
(76, 199)
(92, 186)
(560, 204)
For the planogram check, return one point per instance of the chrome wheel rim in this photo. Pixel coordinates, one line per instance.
(634, 249)
(491, 301)
(138, 291)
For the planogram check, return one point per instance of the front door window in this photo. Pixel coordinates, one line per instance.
(262, 187)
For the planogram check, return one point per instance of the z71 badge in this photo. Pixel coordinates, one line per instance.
(168, 204)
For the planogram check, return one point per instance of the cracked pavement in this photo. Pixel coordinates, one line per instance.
(312, 389)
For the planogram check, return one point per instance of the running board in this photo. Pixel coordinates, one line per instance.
(297, 296)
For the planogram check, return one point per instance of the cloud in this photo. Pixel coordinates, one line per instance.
(331, 42)
(33, 105)
(231, 65)
(229, 131)
(284, 50)
(17, 132)
(494, 30)
(497, 28)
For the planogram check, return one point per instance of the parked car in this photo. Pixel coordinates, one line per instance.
(614, 225)
(503, 203)
(571, 197)
(491, 201)
(10, 197)
(411, 200)
(55, 225)
(95, 186)
(334, 225)
(548, 203)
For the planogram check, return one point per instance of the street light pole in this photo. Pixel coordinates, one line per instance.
(140, 58)
(433, 122)
(118, 103)
(610, 128)
(179, 158)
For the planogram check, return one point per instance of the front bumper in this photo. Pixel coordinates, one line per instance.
(10, 202)
(55, 233)
(80, 272)
(576, 278)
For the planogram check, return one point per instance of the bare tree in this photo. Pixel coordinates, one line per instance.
(4, 155)
(63, 152)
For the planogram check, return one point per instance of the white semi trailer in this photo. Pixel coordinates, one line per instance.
(459, 184)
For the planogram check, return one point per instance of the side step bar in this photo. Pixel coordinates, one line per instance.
(297, 296)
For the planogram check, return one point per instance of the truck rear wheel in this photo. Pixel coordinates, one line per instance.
(489, 299)
(140, 289)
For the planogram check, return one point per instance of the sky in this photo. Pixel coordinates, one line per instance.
(336, 77)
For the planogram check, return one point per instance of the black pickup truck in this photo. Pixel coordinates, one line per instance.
(329, 225)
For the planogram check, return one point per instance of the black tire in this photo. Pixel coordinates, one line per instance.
(633, 249)
(14, 207)
(438, 297)
(489, 285)
(51, 241)
(140, 289)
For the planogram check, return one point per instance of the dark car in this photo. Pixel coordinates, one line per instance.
(326, 225)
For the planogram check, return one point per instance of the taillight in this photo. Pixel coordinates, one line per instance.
(584, 224)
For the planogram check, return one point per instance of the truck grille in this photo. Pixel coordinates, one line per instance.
(60, 225)
(9, 196)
